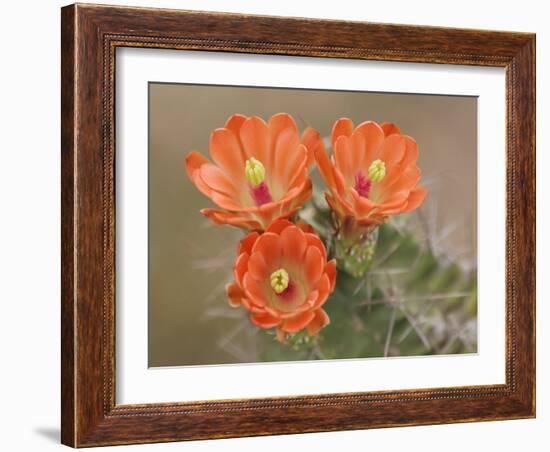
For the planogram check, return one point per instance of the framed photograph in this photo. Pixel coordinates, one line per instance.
(281, 225)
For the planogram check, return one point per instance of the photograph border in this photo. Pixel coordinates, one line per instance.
(90, 35)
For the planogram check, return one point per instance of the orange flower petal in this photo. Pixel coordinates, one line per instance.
(334, 204)
(395, 210)
(264, 320)
(392, 205)
(311, 299)
(320, 320)
(305, 306)
(397, 197)
(221, 217)
(390, 128)
(342, 126)
(234, 123)
(217, 180)
(257, 267)
(362, 206)
(408, 179)
(293, 244)
(254, 291)
(193, 163)
(302, 186)
(224, 201)
(305, 227)
(365, 142)
(416, 198)
(278, 225)
(240, 267)
(267, 213)
(395, 204)
(274, 312)
(392, 150)
(295, 198)
(357, 148)
(268, 244)
(314, 240)
(288, 157)
(226, 152)
(296, 168)
(277, 124)
(298, 322)
(245, 245)
(323, 287)
(254, 136)
(304, 193)
(339, 195)
(343, 157)
(312, 140)
(251, 307)
(313, 265)
(393, 172)
(234, 295)
(400, 179)
(269, 208)
(330, 270)
(339, 181)
(411, 152)
(325, 166)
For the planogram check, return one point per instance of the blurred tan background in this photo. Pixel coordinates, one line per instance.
(190, 261)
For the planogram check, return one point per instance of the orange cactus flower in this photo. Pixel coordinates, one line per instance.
(282, 278)
(260, 170)
(373, 172)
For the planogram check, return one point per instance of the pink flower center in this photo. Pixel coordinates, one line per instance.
(362, 184)
(288, 294)
(260, 194)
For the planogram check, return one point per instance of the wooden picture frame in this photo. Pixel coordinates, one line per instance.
(90, 35)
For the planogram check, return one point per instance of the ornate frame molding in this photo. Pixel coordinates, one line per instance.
(90, 37)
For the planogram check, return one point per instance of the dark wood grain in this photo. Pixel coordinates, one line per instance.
(68, 311)
(90, 36)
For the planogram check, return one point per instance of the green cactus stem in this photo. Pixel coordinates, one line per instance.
(354, 246)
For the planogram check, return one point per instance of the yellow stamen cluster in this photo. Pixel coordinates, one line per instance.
(377, 171)
(279, 280)
(255, 171)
